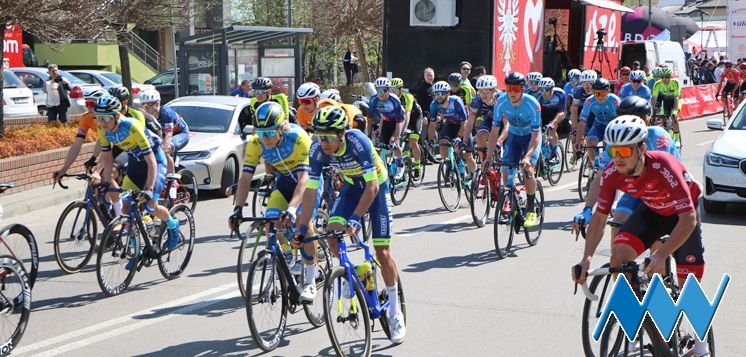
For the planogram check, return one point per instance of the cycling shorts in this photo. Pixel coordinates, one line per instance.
(282, 193)
(597, 131)
(547, 115)
(379, 210)
(387, 131)
(516, 147)
(729, 88)
(449, 130)
(415, 124)
(137, 174)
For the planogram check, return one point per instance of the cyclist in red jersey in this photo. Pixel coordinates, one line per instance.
(732, 79)
(742, 89)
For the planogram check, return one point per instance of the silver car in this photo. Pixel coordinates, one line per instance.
(108, 80)
(35, 77)
(215, 151)
(18, 100)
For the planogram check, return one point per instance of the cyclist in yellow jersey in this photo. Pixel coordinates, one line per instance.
(262, 87)
(667, 94)
(285, 146)
(308, 96)
(413, 116)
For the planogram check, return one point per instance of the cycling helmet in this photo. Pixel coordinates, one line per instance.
(665, 72)
(546, 82)
(150, 96)
(656, 72)
(624, 70)
(573, 74)
(121, 92)
(308, 90)
(634, 105)
(588, 75)
(441, 86)
(269, 115)
(487, 82)
(329, 119)
(107, 104)
(363, 106)
(454, 78)
(95, 94)
(397, 83)
(534, 76)
(637, 76)
(383, 82)
(261, 83)
(331, 94)
(625, 130)
(601, 84)
(728, 63)
(515, 78)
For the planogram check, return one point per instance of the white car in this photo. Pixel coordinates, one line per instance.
(34, 78)
(725, 164)
(18, 100)
(108, 80)
(215, 151)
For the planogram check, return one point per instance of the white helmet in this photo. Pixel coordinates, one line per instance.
(308, 90)
(546, 82)
(441, 86)
(625, 130)
(588, 75)
(331, 94)
(573, 74)
(487, 82)
(534, 76)
(382, 82)
(95, 94)
(150, 96)
(637, 76)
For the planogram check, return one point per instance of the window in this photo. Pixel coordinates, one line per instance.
(161, 79)
(31, 80)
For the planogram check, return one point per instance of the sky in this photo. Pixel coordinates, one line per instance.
(670, 2)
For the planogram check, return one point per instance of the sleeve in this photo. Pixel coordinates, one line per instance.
(497, 115)
(656, 88)
(87, 122)
(460, 110)
(373, 111)
(253, 154)
(609, 184)
(433, 110)
(536, 120)
(137, 115)
(302, 150)
(624, 91)
(364, 156)
(562, 100)
(646, 92)
(103, 141)
(586, 110)
(407, 102)
(474, 106)
(678, 88)
(681, 197)
(398, 109)
(576, 99)
(137, 132)
(168, 120)
(317, 160)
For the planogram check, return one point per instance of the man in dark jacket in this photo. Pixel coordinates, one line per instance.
(424, 96)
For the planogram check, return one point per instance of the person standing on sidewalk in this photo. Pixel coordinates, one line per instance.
(349, 61)
(56, 88)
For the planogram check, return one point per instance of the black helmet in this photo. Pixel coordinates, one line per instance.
(601, 84)
(515, 78)
(121, 92)
(634, 105)
(261, 83)
(454, 78)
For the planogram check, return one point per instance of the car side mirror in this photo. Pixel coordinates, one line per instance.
(248, 130)
(715, 124)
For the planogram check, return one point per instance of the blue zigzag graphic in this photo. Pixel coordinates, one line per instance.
(657, 303)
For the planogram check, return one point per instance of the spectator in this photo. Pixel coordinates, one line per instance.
(719, 70)
(242, 90)
(422, 91)
(57, 99)
(623, 79)
(465, 70)
(349, 61)
(707, 73)
(476, 73)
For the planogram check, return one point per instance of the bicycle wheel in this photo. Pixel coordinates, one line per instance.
(534, 233)
(315, 311)
(449, 186)
(114, 254)
(383, 297)
(347, 319)
(584, 177)
(15, 302)
(684, 339)
(554, 166)
(250, 246)
(571, 155)
(481, 198)
(417, 182)
(647, 342)
(18, 241)
(267, 301)
(503, 224)
(261, 196)
(75, 237)
(172, 263)
(400, 188)
(187, 192)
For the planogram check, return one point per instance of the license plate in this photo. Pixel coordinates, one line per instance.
(21, 100)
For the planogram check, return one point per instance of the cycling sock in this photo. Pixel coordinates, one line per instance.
(310, 273)
(172, 223)
(117, 207)
(530, 203)
(393, 292)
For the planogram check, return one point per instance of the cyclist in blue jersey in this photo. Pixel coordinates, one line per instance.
(175, 129)
(452, 112)
(521, 115)
(603, 106)
(573, 82)
(656, 76)
(657, 140)
(552, 101)
(483, 106)
(366, 188)
(386, 108)
(532, 84)
(635, 87)
(582, 93)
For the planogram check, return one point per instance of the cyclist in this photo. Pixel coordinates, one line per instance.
(453, 113)
(635, 87)
(284, 146)
(366, 188)
(483, 106)
(732, 79)
(123, 94)
(458, 88)
(582, 93)
(552, 101)
(262, 87)
(624, 74)
(654, 77)
(386, 109)
(175, 129)
(573, 82)
(667, 94)
(602, 105)
(532, 84)
(356, 116)
(413, 112)
(308, 96)
(520, 113)
(657, 140)
(669, 195)
(146, 169)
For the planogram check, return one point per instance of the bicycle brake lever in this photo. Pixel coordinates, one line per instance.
(576, 272)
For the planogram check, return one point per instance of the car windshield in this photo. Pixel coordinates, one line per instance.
(205, 119)
(70, 78)
(114, 77)
(11, 81)
(739, 123)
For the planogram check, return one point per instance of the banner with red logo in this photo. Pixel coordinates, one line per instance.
(518, 37)
(699, 100)
(12, 46)
(597, 19)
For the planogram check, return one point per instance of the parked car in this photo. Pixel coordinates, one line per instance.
(109, 80)
(18, 100)
(216, 147)
(725, 164)
(35, 77)
(165, 83)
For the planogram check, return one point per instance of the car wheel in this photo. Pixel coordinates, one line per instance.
(42, 110)
(714, 207)
(229, 174)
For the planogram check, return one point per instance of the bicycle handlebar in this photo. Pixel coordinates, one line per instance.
(83, 176)
(628, 267)
(6, 185)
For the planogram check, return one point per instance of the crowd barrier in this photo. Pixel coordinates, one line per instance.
(699, 100)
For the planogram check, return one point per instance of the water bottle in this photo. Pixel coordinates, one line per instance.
(461, 167)
(522, 199)
(366, 274)
(157, 223)
(148, 221)
(172, 190)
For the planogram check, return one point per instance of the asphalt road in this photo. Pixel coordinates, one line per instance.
(461, 299)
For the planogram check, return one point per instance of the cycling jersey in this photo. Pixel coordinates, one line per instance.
(407, 101)
(557, 101)
(289, 158)
(534, 93)
(464, 93)
(131, 137)
(651, 82)
(170, 121)
(658, 140)
(279, 98)
(304, 118)
(627, 91)
(570, 89)
(579, 97)
(479, 108)
(732, 76)
(358, 162)
(672, 89)
(523, 119)
(604, 112)
(386, 110)
(87, 122)
(354, 115)
(454, 112)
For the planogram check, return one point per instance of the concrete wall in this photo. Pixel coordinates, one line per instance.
(92, 56)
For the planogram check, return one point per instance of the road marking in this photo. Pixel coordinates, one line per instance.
(434, 226)
(559, 188)
(706, 142)
(137, 316)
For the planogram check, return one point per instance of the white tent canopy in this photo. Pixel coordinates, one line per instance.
(711, 40)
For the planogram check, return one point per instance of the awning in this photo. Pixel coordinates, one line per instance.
(607, 4)
(244, 34)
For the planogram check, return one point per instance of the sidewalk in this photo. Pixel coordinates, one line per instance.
(37, 198)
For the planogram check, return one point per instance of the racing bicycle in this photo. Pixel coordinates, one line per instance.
(18, 241)
(511, 212)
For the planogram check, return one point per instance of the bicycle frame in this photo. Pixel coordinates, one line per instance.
(375, 310)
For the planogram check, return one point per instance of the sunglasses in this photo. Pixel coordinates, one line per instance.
(327, 138)
(600, 93)
(486, 91)
(382, 90)
(149, 105)
(622, 151)
(546, 90)
(105, 117)
(514, 89)
(634, 81)
(440, 93)
(266, 134)
(260, 91)
(465, 69)
(305, 101)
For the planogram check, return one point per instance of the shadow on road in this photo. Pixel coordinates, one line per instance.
(455, 261)
(67, 302)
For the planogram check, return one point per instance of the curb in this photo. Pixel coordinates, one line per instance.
(41, 197)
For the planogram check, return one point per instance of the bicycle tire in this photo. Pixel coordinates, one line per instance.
(621, 346)
(554, 172)
(683, 344)
(172, 263)
(25, 249)
(571, 155)
(334, 302)
(323, 267)
(261, 196)
(187, 187)
(534, 233)
(12, 269)
(247, 253)
(454, 184)
(503, 224)
(417, 182)
(401, 187)
(481, 194)
(83, 238)
(584, 177)
(270, 296)
(120, 249)
(383, 297)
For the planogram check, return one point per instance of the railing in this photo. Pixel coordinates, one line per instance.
(138, 47)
